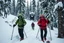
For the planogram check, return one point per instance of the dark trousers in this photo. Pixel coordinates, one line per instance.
(45, 33)
(21, 33)
(33, 27)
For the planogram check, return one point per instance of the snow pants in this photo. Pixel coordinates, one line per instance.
(21, 33)
(43, 35)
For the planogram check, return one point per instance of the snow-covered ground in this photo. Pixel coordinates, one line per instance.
(6, 31)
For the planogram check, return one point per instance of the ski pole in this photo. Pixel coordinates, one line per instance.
(25, 34)
(12, 33)
(37, 33)
(50, 33)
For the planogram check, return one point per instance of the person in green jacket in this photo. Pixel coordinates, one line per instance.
(21, 23)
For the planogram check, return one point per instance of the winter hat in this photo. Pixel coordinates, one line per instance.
(42, 16)
(20, 15)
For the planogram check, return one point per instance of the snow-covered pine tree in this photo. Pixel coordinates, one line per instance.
(60, 21)
(20, 6)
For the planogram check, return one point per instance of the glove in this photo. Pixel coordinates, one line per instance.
(39, 25)
(14, 25)
(48, 21)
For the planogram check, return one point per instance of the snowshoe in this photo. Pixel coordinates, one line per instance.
(48, 41)
(21, 39)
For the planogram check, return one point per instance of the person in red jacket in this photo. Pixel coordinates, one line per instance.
(42, 23)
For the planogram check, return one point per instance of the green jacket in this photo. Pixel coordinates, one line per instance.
(20, 22)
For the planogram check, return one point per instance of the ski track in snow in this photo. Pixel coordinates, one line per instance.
(6, 30)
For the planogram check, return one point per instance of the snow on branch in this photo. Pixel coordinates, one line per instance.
(59, 4)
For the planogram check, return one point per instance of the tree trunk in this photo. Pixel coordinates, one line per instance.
(60, 24)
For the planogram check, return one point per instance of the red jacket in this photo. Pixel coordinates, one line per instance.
(42, 23)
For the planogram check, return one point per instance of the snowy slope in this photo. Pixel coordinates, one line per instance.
(6, 30)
